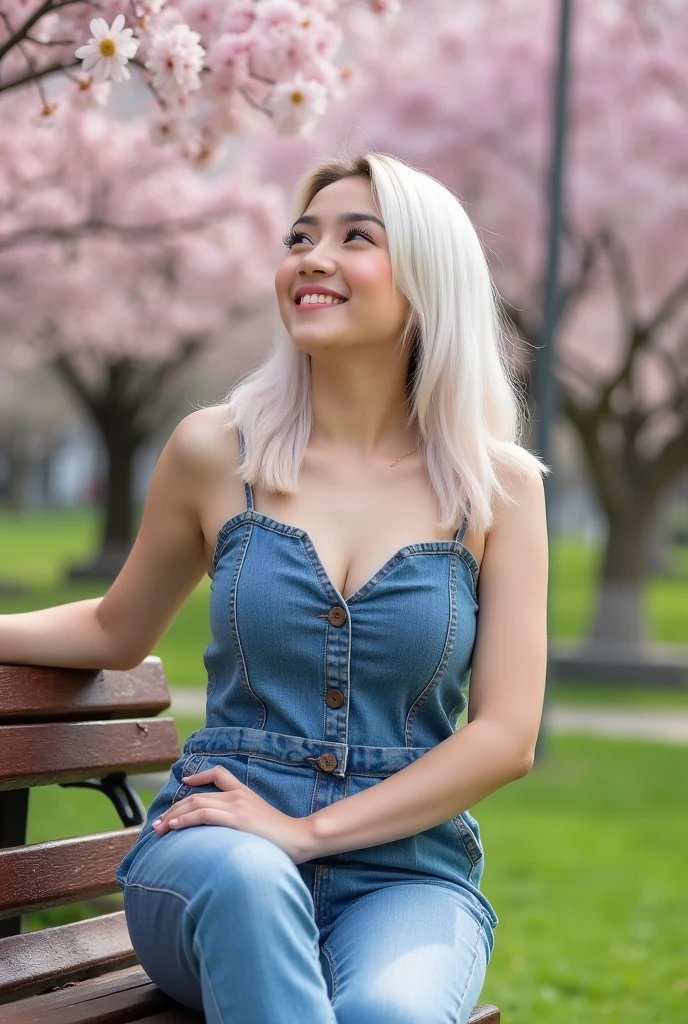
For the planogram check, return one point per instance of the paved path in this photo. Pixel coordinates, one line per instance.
(665, 726)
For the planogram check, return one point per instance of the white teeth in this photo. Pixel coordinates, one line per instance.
(329, 300)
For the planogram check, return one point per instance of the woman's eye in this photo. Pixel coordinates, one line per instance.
(358, 231)
(293, 238)
(298, 237)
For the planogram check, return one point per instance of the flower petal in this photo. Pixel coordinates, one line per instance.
(99, 28)
(91, 61)
(117, 25)
(101, 71)
(128, 49)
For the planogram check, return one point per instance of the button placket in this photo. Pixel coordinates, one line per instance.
(335, 710)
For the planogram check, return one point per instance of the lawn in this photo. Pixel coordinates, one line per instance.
(585, 857)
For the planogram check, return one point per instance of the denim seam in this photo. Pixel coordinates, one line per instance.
(234, 626)
(471, 972)
(325, 679)
(333, 970)
(419, 548)
(317, 884)
(348, 688)
(186, 765)
(316, 786)
(223, 534)
(468, 558)
(449, 640)
(260, 755)
(185, 901)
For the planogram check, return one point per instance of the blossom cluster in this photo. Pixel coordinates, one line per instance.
(212, 66)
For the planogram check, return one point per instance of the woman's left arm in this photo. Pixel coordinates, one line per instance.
(506, 697)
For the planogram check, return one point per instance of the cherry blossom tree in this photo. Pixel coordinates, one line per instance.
(210, 66)
(125, 264)
(464, 91)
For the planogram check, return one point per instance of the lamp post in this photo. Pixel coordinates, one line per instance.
(544, 381)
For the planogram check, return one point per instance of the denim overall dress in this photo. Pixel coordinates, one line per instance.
(312, 698)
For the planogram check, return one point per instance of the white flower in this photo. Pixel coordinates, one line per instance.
(175, 60)
(108, 51)
(296, 105)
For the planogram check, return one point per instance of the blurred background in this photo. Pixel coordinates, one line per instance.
(136, 285)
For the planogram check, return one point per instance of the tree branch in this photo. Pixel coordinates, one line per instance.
(15, 83)
(22, 32)
(95, 226)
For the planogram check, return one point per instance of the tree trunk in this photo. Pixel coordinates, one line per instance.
(619, 616)
(114, 416)
(117, 535)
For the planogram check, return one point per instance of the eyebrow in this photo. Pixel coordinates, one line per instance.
(342, 218)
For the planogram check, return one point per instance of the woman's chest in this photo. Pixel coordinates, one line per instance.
(356, 522)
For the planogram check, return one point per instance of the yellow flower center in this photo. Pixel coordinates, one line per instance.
(297, 97)
(107, 48)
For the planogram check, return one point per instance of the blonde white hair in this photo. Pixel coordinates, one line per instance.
(462, 393)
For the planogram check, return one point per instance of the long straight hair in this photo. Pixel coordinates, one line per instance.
(462, 394)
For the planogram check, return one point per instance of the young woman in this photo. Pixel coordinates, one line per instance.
(373, 530)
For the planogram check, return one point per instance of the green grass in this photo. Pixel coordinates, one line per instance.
(574, 571)
(585, 866)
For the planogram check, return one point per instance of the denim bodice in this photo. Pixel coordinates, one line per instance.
(288, 654)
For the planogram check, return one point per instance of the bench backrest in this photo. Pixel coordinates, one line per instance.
(67, 726)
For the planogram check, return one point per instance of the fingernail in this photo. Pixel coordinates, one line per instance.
(158, 821)
(174, 821)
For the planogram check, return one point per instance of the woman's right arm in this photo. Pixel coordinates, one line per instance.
(166, 563)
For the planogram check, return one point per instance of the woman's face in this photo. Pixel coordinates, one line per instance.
(334, 285)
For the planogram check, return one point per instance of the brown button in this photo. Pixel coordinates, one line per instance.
(335, 698)
(337, 616)
(328, 762)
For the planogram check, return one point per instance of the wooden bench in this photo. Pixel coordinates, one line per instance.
(75, 727)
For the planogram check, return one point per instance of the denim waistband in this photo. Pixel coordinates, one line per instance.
(301, 750)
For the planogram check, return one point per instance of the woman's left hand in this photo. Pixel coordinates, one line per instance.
(238, 807)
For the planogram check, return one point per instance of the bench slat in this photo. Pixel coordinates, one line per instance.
(128, 996)
(40, 755)
(30, 692)
(125, 995)
(35, 961)
(63, 871)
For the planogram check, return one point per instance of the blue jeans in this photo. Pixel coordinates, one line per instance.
(225, 922)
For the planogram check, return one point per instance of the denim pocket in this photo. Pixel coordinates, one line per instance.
(195, 763)
(469, 833)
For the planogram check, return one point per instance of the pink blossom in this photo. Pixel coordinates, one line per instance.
(228, 59)
(175, 59)
(89, 95)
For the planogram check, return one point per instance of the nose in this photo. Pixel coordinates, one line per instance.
(316, 261)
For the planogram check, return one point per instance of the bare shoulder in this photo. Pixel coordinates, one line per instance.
(204, 445)
(524, 494)
(520, 517)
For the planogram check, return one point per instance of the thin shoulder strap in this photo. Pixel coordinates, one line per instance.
(247, 487)
(460, 533)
